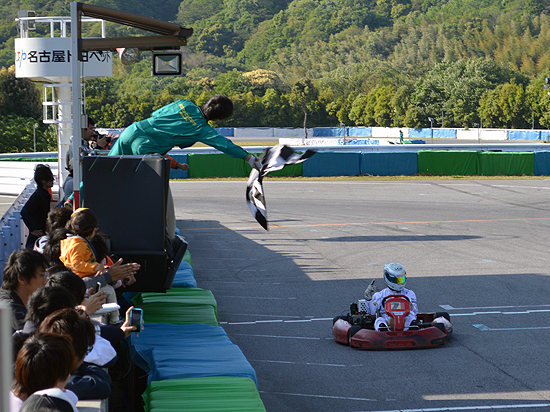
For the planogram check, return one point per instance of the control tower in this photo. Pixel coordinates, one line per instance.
(48, 60)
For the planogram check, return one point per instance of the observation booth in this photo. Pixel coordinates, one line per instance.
(129, 194)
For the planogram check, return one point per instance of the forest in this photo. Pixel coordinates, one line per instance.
(324, 62)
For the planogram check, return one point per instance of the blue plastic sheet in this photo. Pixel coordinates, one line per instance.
(359, 131)
(444, 133)
(178, 173)
(187, 351)
(185, 277)
(542, 163)
(414, 133)
(226, 131)
(523, 135)
(329, 132)
(389, 164)
(333, 164)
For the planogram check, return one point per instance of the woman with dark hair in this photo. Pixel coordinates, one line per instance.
(87, 381)
(44, 362)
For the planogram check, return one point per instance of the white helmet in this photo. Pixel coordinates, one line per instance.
(395, 276)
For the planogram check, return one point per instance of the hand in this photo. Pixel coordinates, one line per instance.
(371, 289)
(94, 302)
(183, 166)
(128, 281)
(254, 162)
(101, 143)
(119, 271)
(37, 233)
(126, 328)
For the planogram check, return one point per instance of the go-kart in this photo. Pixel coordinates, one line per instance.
(357, 328)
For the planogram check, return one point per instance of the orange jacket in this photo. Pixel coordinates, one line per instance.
(77, 255)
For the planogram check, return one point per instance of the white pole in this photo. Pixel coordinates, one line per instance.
(6, 358)
(77, 106)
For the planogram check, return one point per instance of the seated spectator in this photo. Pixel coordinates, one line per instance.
(36, 209)
(44, 302)
(23, 274)
(44, 363)
(57, 219)
(87, 381)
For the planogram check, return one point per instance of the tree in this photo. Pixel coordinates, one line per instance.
(304, 95)
(18, 97)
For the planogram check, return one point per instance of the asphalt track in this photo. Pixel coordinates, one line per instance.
(476, 248)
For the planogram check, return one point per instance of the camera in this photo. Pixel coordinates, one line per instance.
(96, 135)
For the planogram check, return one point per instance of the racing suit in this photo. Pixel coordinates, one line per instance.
(375, 307)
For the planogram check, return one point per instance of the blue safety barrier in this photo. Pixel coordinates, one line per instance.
(226, 131)
(413, 133)
(545, 135)
(542, 163)
(388, 164)
(185, 277)
(444, 133)
(329, 132)
(523, 135)
(333, 164)
(187, 351)
(178, 173)
(359, 131)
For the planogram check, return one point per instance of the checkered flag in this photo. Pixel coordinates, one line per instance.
(272, 159)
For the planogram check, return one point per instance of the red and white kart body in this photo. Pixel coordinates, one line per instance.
(357, 328)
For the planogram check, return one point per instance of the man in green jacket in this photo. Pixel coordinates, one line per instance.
(182, 124)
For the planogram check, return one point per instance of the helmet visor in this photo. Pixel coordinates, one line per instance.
(398, 280)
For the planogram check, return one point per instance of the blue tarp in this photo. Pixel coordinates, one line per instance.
(542, 163)
(333, 164)
(185, 277)
(178, 173)
(414, 133)
(523, 135)
(329, 132)
(226, 131)
(187, 351)
(359, 131)
(545, 135)
(389, 164)
(444, 133)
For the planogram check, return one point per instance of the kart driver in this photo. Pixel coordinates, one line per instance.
(395, 278)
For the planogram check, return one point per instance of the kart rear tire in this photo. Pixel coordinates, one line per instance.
(444, 314)
(334, 319)
(352, 331)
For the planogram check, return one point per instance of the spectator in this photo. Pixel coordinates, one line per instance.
(35, 212)
(24, 273)
(44, 363)
(78, 253)
(86, 381)
(57, 218)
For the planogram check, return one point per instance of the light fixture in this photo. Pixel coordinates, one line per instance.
(128, 56)
(167, 64)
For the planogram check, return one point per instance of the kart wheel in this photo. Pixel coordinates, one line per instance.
(334, 319)
(440, 326)
(352, 331)
(444, 314)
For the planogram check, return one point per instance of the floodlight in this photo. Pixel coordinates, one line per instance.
(167, 64)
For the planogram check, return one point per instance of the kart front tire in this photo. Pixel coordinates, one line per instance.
(444, 314)
(352, 331)
(339, 317)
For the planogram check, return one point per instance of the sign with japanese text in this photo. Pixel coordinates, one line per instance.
(49, 59)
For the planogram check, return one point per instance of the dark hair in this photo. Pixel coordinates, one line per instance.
(91, 121)
(83, 222)
(75, 324)
(47, 300)
(52, 250)
(22, 265)
(62, 276)
(42, 173)
(219, 107)
(99, 242)
(44, 360)
(57, 218)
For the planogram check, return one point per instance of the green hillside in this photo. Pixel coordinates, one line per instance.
(357, 62)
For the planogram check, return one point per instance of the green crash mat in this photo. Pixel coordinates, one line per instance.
(448, 162)
(213, 394)
(507, 163)
(178, 306)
